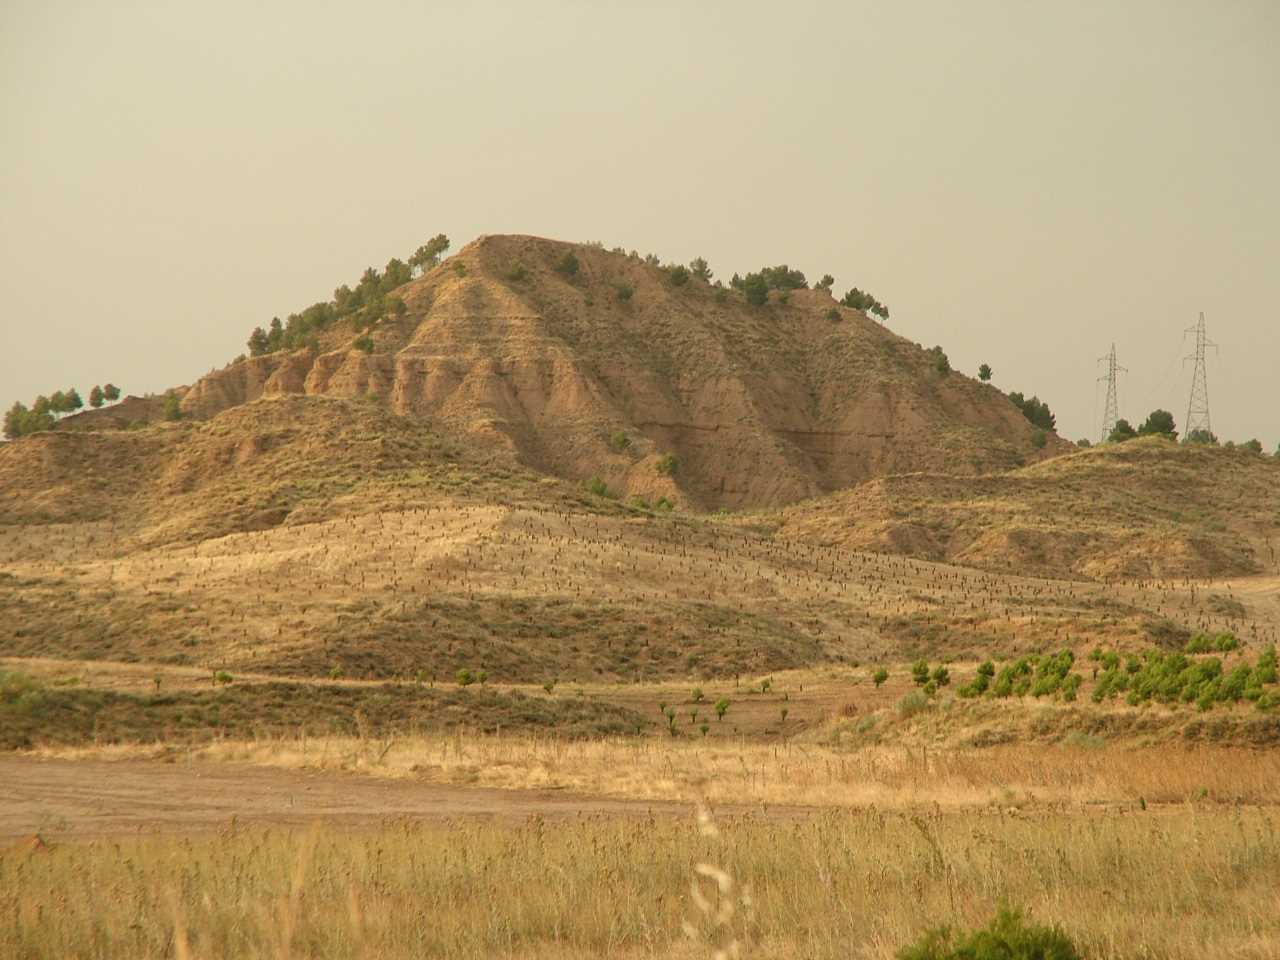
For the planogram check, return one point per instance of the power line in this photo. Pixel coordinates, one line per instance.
(1198, 404)
(1112, 412)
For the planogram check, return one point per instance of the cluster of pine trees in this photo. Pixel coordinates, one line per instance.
(44, 412)
(366, 304)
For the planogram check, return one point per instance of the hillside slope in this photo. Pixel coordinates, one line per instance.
(760, 406)
(1147, 508)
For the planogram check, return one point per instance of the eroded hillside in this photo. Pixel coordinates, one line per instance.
(609, 370)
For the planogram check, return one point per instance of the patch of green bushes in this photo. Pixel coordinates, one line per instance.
(1007, 937)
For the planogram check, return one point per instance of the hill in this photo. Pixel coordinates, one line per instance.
(415, 506)
(608, 369)
(1146, 508)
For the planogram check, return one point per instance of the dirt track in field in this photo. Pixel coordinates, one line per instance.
(87, 798)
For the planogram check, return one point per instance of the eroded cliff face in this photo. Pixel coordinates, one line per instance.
(759, 406)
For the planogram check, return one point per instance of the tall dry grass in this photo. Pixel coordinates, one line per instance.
(723, 771)
(1190, 883)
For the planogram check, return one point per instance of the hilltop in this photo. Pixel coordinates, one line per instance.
(659, 388)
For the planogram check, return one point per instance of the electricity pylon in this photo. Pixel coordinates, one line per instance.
(1112, 412)
(1198, 405)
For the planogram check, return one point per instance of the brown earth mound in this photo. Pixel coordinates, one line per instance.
(1147, 508)
(760, 406)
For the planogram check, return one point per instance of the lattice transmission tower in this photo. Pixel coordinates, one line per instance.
(1112, 412)
(1198, 405)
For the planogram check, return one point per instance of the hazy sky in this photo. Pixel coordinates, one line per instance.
(1023, 183)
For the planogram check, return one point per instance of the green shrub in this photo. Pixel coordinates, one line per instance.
(667, 465)
(756, 290)
(517, 273)
(834, 315)
(364, 343)
(678, 275)
(20, 695)
(619, 441)
(920, 672)
(975, 687)
(624, 291)
(567, 265)
(1039, 438)
(940, 361)
(912, 703)
(1007, 937)
(465, 677)
(598, 487)
(880, 676)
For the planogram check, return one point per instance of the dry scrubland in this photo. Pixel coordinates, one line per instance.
(512, 484)
(1190, 882)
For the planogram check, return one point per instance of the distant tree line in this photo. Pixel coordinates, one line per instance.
(44, 412)
(365, 305)
(1160, 423)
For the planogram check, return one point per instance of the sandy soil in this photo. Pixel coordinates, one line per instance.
(86, 798)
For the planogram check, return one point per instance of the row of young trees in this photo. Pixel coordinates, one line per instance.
(44, 412)
(367, 303)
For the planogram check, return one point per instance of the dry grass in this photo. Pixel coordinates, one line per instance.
(728, 772)
(1148, 509)
(1185, 885)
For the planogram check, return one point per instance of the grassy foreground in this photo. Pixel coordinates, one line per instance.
(1186, 883)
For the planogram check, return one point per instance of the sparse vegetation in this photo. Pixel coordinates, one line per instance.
(364, 305)
(567, 265)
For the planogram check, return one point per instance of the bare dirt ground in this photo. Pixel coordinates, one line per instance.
(87, 798)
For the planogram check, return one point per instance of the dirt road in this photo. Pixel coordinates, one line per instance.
(96, 798)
